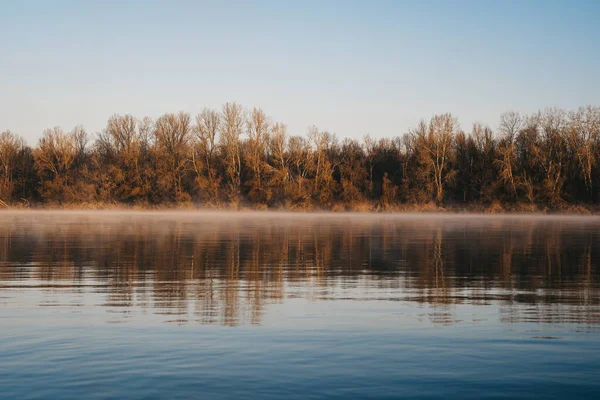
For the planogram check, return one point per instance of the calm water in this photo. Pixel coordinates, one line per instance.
(206, 305)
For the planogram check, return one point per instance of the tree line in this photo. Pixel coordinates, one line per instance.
(240, 157)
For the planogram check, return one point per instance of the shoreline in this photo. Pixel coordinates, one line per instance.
(361, 209)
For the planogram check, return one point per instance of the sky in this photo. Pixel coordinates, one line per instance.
(349, 67)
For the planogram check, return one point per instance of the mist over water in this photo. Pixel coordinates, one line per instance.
(183, 304)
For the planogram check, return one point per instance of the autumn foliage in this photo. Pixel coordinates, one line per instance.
(240, 157)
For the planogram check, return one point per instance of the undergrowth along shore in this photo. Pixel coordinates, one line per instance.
(363, 207)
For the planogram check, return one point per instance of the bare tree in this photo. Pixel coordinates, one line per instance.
(121, 153)
(204, 154)
(370, 150)
(280, 177)
(172, 135)
(434, 145)
(510, 125)
(584, 139)
(56, 152)
(54, 157)
(552, 152)
(10, 146)
(353, 173)
(323, 144)
(232, 127)
(119, 136)
(257, 128)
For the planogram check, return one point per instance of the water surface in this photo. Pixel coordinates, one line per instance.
(301, 306)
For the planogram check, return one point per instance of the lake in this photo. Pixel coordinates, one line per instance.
(179, 305)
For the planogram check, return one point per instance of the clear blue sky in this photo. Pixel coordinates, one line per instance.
(352, 68)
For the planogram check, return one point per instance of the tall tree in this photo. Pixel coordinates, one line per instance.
(434, 145)
(584, 139)
(232, 127)
(11, 146)
(172, 136)
(204, 155)
(54, 158)
(506, 159)
(257, 128)
(280, 176)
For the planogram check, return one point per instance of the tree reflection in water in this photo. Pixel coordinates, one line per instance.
(216, 268)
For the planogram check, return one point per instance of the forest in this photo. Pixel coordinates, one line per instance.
(240, 158)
